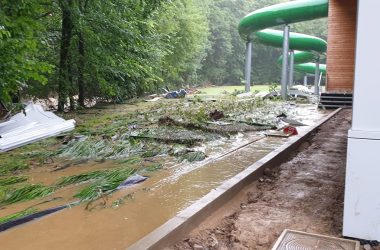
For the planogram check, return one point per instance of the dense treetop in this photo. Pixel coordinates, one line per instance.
(124, 48)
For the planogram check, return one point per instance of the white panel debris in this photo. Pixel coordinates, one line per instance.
(33, 125)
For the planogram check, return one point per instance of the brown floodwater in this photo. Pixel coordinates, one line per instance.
(153, 202)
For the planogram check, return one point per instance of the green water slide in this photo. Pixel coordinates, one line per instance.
(307, 49)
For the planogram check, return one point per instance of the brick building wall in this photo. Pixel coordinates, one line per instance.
(341, 45)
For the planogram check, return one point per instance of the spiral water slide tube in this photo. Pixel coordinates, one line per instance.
(305, 50)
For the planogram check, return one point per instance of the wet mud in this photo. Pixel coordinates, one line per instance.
(304, 193)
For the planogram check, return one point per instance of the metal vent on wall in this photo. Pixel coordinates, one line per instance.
(295, 240)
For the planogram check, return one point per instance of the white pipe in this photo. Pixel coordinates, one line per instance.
(285, 56)
(248, 66)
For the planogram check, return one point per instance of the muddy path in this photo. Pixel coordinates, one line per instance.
(305, 193)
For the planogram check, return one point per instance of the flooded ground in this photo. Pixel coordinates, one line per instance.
(116, 220)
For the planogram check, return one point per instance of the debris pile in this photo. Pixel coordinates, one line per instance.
(125, 146)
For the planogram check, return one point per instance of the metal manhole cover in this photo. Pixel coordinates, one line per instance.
(294, 240)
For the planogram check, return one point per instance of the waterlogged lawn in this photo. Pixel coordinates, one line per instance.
(113, 142)
(220, 90)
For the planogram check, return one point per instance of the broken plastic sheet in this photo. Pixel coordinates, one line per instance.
(33, 125)
(132, 180)
(176, 94)
(31, 217)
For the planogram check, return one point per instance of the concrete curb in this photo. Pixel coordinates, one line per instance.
(189, 218)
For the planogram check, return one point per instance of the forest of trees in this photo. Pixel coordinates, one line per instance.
(124, 48)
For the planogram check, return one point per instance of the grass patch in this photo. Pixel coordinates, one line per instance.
(220, 90)
(37, 156)
(12, 165)
(18, 215)
(36, 146)
(106, 125)
(12, 180)
(25, 193)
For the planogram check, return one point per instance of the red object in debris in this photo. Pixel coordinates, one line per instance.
(290, 130)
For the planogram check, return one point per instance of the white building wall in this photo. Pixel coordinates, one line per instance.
(362, 194)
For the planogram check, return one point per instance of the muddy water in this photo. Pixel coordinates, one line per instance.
(154, 201)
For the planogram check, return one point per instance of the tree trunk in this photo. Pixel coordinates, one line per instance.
(71, 91)
(82, 57)
(67, 28)
(81, 66)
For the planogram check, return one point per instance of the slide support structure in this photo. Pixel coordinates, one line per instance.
(248, 66)
(305, 47)
(291, 68)
(285, 54)
(316, 78)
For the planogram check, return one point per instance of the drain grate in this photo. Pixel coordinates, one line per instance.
(294, 240)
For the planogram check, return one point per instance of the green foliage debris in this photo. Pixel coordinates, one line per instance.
(27, 192)
(153, 167)
(95, 149)
(104, 183)
(79, 178)
(12, 180)
(18, 215)
(193, 156)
